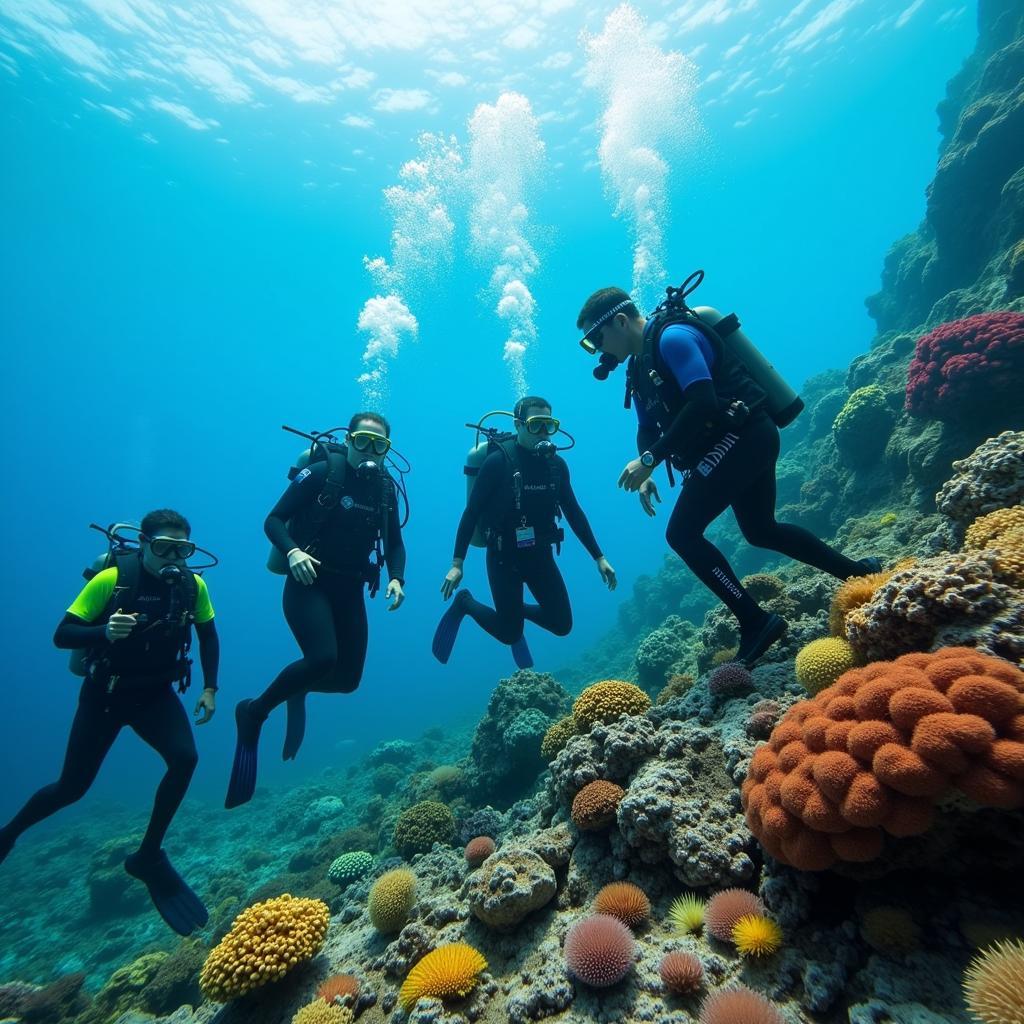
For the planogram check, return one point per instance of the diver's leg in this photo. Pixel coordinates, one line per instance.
(92, 734)
(505, 620)
(755, 514)
(350, 628)
(552, 611)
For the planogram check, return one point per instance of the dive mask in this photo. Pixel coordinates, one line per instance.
(367, 440)
(172, 547)
(591, 341)
(542, 425)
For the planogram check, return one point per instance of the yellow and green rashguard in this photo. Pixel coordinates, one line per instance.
(90, 603)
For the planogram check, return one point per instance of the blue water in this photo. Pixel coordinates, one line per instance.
(172, 292)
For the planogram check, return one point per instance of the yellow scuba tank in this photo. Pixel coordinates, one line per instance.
(783, 403)
(277, 562)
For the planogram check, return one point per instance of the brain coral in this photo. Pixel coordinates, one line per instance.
(599, 950)
(863, 425)
(478, 850)
(319, 1012)
(349, 867)
(725, 908)
(682, 973)
(738, 1005)
(872, 754)
(608, 700)
(420, 826)
(952, 599)
(624, 900)
(823, 661)
(445, 972)
(967, 365)
(994, 984)
(1001, 531)
(991, 477)
(557, 736)
(595, 805)
(391, 899)
(265, 942)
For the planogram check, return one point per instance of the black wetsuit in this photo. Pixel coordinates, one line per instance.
(545, 489)
(724, 466)
(131, 685)
(328, 616)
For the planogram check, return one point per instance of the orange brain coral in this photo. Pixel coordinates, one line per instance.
(595, 805)
(870, 755)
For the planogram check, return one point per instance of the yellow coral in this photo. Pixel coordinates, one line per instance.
(852, 594)
(890, 930)
(1001, 531)
(994, 984)
(687, 913)
(391, 899)
(447, 971)
(823, 661)
(756, 935)
(608, 700)
(724, 656)
(265, 942)
(557, 736)
(319, 1012)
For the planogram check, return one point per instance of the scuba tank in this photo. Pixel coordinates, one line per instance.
(783, 403)
(277, 562)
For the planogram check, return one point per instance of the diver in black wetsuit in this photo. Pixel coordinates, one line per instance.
(329, 564)
(699, 407)
(134, 619)
(519, 519)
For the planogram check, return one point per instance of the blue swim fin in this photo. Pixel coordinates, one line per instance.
(176, 903)
(242, 783)
(521, 653)
(448, 628)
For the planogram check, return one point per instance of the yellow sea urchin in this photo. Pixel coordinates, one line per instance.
(449, 970)
(994, 984)
(756, 935)
(687, 913)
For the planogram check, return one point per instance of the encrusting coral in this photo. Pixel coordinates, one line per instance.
(448, 971)
(595, 804)
(870, 756)
(266, 941)
(990, 478)
(1001, 531)
(608, 700)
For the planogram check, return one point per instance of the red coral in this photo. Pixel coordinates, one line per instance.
(478, 850)
(872, 754)
(967, 365)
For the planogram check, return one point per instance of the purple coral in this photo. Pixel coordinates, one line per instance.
(764, 716)
(729, 679)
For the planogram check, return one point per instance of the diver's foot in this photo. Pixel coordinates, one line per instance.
(448, 628)
(176, 903)
(755, 642)
(7, 841)
(242, 783)
(871, 565)
(295, 729)
(521, 653)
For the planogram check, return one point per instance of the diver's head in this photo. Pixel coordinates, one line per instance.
(535, 426)
(164, 541)
(613, 329)
(369, 436)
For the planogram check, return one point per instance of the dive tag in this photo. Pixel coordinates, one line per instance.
(525, 537)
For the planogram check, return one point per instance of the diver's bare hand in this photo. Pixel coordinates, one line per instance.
(634, 475)
(451, 581)
(118, 626)
(396, 592)
(303, 565)
(207, 704)
(607, 572)
(649, 489)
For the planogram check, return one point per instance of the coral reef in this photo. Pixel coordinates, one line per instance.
(557, 736)
(990, 478)
(420, 826)
(1001, 531)
(319, 1012)
(509, 886)
(660, 650)
(863, 425)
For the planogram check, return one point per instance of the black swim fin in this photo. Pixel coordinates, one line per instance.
(295, 729)
(871, 565)
(176, 903)
(521, 653)
(754, 647)
(242, 783)
(448, 628)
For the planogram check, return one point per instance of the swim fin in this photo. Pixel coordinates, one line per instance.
(295, 729)
(521, 653)
(754, 647)
(176, 903)
(6, 844)
(871, 565)
(448, 628)
(242, 783)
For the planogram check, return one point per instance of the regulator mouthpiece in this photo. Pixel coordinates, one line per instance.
(605, 365)
(170, 573)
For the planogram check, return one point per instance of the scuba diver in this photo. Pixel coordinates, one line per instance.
(708, 403)
(130, 631)
(340, 509)
(520, 489)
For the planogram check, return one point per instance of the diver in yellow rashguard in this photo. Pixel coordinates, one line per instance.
(134, 620)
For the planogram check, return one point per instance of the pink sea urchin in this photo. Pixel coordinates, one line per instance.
(599, 950)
